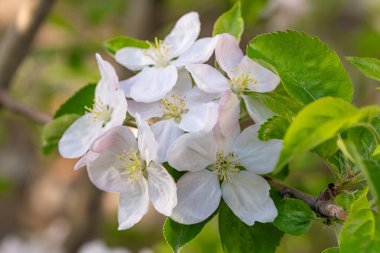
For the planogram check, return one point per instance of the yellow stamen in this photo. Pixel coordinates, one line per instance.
(226, 165)
(100, 111)
(173, 108)
(159, 52)
(130, 165)
(241, 82)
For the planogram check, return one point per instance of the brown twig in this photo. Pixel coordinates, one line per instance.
(321, 204)
(19, 37)
(23, 110)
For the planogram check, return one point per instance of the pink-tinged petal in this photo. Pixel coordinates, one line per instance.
(133, 204)
(257, 110)
(165, 132)
(116, 138)
(147, 143)
(162, 189)
(255, 155)
(199, 52)
(86, 159)
(127, 84)
(184, 34)
(145, 110)
(228, 53)
(227, 125)
(208, 78)
(248, 197)
(198, 196)
(193, 152)
(266, 80)
(152, 84)
(103, 171)
(200, 118)
(104, 175)
(133, 58)
(77, 139)
(197, 96)
(184, 83)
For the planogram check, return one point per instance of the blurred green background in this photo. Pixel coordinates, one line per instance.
(36, 190)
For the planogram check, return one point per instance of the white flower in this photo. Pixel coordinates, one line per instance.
(184, 109)
(159, 63)
(109, 109)
(128, 166)
(244, 75)
(224, 163)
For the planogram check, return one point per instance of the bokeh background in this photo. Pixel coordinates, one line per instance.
(41, 196)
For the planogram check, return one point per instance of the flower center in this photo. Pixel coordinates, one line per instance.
(159, 52)
(173, 107)
(100, 111)
(241, 81)
(130, 165)
(226, 165)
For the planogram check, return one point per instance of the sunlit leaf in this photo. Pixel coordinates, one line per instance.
(230, 22)
(368, 66)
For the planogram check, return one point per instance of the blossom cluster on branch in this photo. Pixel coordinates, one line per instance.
(187, 116)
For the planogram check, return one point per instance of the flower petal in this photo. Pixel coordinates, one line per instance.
(199, 52)
(145, 110)
(133, 204)
(248, 197)
(208, 78)
(147, 143)
(107, 73)
(119, 107)
(257, 110)
(162, 189)
(198, 196)
(102, 171)
(165, 132)
(184, 34)
(227, 125)
(255, 155)
(228, 53)
(152, 84)
(266, 80)
(192, 152)
(200, 118)
(184, 83)
(77, 139)
(133, 58)
(86, 159)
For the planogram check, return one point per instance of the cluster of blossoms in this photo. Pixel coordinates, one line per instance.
(187, 115)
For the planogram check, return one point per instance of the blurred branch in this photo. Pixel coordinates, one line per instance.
(321, 204)
(19, 37)
(23, 110)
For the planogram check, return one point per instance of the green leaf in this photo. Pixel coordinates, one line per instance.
(277, 100)
(78, 102)
(294, 216)
(346, 200)
(318, 122)
(308, 68)
(368, 66)
(53, 131)
(115, 44)
(371, 169)
(331, 250)
(274, 128)
(361, 230)
(237, 237)
(230, 22)
(177, 235)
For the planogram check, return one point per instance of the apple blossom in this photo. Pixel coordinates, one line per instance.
(109, 109)
(129, 167)
(224, 163)
(244, 75)
(159, 63)
(184, 109)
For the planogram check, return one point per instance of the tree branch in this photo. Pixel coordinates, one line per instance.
(321, 204)
(21, 109)
(19, 37)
